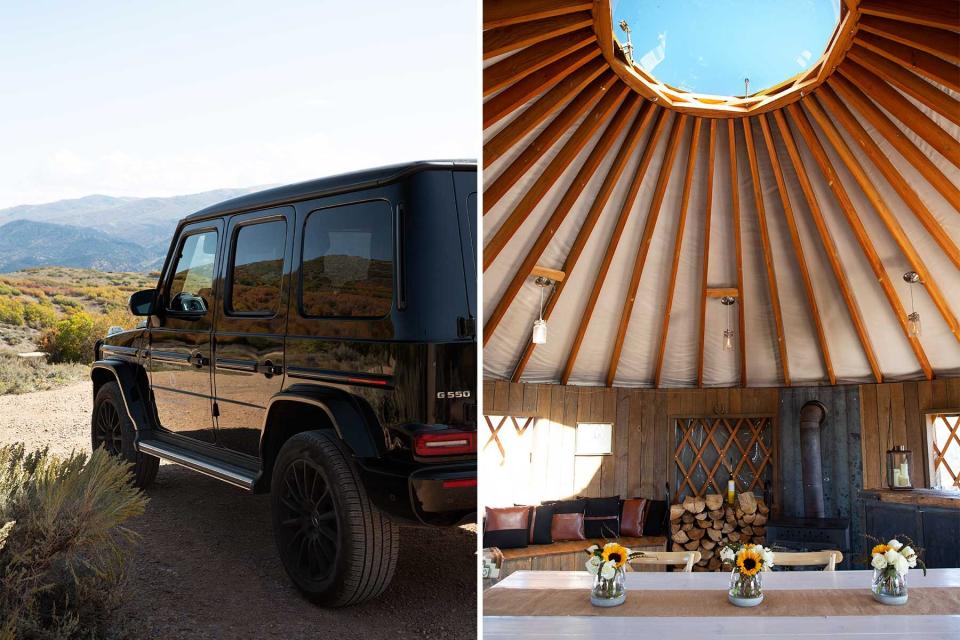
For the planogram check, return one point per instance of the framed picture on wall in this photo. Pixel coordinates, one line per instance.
(594, 439)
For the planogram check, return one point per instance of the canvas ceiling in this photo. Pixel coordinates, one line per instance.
(636, 365)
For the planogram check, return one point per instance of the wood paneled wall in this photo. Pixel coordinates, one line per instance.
(643, 442)
(901, 408)
(643, 439)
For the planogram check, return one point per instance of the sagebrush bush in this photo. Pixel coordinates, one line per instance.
(64, 549)
(25, 375)
(73, 338)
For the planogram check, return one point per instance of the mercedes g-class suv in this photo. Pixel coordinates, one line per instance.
(317, 342)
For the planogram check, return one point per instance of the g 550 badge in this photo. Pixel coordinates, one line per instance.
(444, 395)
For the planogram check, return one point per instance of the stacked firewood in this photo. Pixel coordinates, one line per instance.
(706, 524)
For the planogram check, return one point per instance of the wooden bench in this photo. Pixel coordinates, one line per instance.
(570, 555)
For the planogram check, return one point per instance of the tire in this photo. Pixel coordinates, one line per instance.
(336, 546)
(111, 429)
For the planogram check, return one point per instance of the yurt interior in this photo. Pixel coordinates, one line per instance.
(719, 318)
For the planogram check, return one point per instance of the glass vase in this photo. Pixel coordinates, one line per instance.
(745, 591)
(609, 593)
(889, 587)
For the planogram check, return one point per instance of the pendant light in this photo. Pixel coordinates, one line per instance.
(728, 334)
(540, 325)
(913, 320)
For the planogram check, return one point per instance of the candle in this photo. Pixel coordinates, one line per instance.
(730, 491)
(896, 477)
(904, 474)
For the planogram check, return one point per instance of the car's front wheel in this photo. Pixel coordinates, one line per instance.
(336, 546)
(111, 429)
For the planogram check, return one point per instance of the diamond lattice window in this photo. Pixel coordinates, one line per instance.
(945, 450)
(712, 450)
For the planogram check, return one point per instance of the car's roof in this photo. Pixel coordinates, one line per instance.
(328, 186)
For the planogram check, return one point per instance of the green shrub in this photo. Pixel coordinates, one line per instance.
(38, 315)
(11, 311)
(65, 550)
(71, 339)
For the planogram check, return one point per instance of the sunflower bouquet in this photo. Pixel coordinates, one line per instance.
(607, 564)
(747, 561)
(890, 561)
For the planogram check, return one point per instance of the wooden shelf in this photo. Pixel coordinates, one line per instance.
(925, 497)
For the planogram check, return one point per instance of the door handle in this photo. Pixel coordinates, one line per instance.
(268, 369)
(198, 360)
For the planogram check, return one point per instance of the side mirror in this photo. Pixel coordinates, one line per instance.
(141, 303)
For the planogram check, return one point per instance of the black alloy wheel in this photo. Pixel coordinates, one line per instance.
(107, 432)
(308, 521)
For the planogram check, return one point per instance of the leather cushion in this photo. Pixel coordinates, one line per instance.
(567, 526)
(633, 517)
(578, 505)
(507, 518)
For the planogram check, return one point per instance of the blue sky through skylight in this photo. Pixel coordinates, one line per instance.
(710, 46)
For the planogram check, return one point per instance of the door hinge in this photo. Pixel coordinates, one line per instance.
(216, 410)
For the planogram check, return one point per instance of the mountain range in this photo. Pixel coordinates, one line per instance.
(98, 232)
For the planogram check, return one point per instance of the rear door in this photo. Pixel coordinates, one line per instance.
(180, 347)
(250, 324)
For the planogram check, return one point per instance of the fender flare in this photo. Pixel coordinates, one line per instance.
(126, 376)
(355, 424)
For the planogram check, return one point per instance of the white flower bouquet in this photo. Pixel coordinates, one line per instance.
(607, 564)
(747, 561)
(890, 561)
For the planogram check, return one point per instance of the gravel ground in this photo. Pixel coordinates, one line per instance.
(207, 567)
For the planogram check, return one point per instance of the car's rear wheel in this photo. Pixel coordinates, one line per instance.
(112, 430)
(335, 545)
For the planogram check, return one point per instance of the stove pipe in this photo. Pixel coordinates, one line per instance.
(811, 421)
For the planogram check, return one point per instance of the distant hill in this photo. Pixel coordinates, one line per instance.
(25, 244)
(98, 232)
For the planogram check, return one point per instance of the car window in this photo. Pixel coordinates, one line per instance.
(347, 268)
(191, 288)
(257, 268)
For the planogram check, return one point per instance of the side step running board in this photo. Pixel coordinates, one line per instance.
(231, 474)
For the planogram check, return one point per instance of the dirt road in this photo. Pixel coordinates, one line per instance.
(207, 568)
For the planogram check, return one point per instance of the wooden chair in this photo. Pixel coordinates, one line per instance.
(677, 558)
(827, 559)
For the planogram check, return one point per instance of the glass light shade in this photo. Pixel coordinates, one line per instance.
(539, 331)
(727, 340)
(899, 460)
(913, 324)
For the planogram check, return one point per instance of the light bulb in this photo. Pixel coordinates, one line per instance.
(539, 331)
(727, 340)
(913, 324)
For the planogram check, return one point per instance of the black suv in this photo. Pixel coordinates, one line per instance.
(317, 342)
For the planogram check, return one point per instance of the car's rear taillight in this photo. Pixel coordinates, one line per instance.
(445, 443)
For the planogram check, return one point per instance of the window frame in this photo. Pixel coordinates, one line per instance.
(929, 456)
(231, 257)
(174, 263)
(394, 248)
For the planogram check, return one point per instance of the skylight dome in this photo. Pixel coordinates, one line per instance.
(711, 46)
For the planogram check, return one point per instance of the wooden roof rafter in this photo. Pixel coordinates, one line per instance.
(735, 214)
(863, 238)
(705, 266)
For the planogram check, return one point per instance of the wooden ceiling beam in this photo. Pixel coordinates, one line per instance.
(829, 246)
(500, 13)
(929, 13)
(938, 42)
(678, 245)
(859, 231)
(556, 275)
(812, 306)
(556, 84)
(546, 139)
(886, 215)
(827, 97)
(920, 62)
(902, 109)
(643, 249)
(705, 267)
(573, 192)
(909, 83)
(501, 40)
(767, 251)
(626, 209)
(896, 137)
(721, 292)
(518, 66)
(738, 249)
(627, 149)
(565, 157)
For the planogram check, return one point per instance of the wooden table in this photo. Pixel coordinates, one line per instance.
(928, 627)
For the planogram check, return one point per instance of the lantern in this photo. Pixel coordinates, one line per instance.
(899, 460)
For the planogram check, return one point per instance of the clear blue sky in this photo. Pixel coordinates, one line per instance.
(710, 46)
(161, 98)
